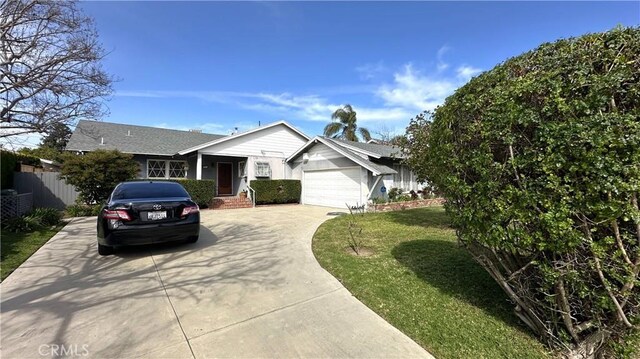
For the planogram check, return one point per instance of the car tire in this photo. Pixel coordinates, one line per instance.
(104, 250)
(193, 239)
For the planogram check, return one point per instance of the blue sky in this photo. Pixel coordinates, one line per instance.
(219, 65)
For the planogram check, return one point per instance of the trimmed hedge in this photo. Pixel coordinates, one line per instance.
(8, 161)
(277, 191)
(539, 160)
(201, 191)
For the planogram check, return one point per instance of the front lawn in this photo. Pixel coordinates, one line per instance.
(424, 284)
(17, 247)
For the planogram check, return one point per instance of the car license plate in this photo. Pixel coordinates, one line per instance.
(154, 216)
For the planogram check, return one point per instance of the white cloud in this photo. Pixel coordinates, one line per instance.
(466, 72)
(441, 64)
(412, 90)
(370, 70)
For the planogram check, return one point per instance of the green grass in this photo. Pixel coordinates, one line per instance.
(422, 282)
(17, 247)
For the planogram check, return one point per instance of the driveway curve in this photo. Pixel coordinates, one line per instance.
(250, 287)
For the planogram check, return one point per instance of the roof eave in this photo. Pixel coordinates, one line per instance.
(228, 138)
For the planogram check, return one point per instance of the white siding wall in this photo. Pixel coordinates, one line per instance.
(364, 185)
(321, 152)
(278, 168)
(278, 141)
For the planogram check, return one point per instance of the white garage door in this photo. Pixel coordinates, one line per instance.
(332, 188)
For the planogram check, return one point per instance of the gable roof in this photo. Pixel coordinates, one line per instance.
(88, 136)
(375, 168)
(372, 149)
(240, 134)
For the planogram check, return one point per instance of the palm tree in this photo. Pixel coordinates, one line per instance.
(343, 125)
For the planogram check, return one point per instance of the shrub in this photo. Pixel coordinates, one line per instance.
(393, 193)
(539, 160)
(46, 216)
(201, 191)
(38, 218)
(28, 159)
(82, 210)
(95, 174)
(8, 161)
(403, 198)
(18, 224)
(277, 191)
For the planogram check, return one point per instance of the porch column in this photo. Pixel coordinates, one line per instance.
(199, 167)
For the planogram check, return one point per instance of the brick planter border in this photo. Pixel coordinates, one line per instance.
(398, 206)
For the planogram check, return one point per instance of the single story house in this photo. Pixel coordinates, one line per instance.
(338, 172)
(332, 172)
(230, 160)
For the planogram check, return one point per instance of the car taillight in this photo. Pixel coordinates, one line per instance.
(189, 209)
(116, 214)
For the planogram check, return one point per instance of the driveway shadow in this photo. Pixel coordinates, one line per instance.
(68, 279)
(448, 267)
(207, 239)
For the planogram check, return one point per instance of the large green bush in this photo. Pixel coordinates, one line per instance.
(8, 161)
(277, 191)
(201, 191)
(539, 160)
(95, 174)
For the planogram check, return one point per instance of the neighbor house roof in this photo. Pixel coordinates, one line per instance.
(375, 168)
(94, 135)
(240, 134)
(372, 149)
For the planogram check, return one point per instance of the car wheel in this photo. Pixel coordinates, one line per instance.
(104, 250)
(193, 239)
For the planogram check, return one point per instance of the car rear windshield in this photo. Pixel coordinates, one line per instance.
(149, 190)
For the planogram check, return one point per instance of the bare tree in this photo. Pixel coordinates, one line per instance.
(50, 66)
(386, 136)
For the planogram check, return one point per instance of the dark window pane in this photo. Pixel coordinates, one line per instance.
(149, 190)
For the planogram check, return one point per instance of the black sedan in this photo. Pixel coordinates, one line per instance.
(145, 213)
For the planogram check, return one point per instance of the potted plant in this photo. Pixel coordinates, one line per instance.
(243, 193)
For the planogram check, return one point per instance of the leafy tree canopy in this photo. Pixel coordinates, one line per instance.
(344, 125)
(95, 174)
(539, 160)
(57, 137)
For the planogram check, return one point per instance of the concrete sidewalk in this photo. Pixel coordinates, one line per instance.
(250, 287)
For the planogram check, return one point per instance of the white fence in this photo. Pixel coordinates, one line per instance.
(48, 190)
(14, 205)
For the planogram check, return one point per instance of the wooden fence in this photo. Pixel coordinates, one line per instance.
(48, 190)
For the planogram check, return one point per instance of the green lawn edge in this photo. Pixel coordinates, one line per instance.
(423, 283)
(16, 248)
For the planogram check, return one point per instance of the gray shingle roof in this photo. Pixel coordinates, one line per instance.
(381, 150)
(134, 139)
(381, 169)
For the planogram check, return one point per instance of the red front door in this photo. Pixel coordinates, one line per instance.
(225, 179)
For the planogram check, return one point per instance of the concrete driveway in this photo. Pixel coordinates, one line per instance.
(250, 287)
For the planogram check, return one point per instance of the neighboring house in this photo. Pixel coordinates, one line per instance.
(336, 172)
(230, 160)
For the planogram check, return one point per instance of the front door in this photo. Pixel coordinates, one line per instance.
(225, 179)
